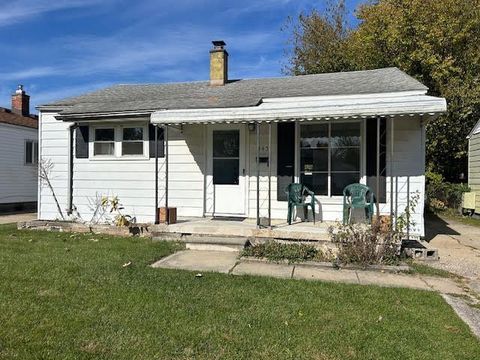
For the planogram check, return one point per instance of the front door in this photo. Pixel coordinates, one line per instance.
(228, 170)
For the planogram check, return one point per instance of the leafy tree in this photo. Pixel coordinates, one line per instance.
(318, 42)
(436, 41)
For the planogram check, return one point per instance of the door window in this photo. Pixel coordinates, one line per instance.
(226, 157)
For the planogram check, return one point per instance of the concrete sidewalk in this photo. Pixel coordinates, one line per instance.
(14, 218)
(229, 263)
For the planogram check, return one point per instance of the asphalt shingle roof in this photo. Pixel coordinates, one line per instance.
(9, 117)
(236, 93)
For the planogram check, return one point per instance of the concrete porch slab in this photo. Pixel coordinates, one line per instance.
(302, 231)
(216, 261)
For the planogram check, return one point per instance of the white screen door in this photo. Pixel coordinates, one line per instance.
(228, 170)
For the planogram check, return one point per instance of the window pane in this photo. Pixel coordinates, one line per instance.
(318, 183)
(132, 148)
(341, 180)
(315, 135)
(35, 153)
(345, 134)
(225, 171)
(104, 148)
(133, 133)
(226, 143)
(28, 152)
(285, 157)
(104, 135)
(314, 160)
(345, 159)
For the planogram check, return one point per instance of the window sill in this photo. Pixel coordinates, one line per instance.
(118, 158)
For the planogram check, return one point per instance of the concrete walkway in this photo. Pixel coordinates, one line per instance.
(14, 218)
(458, 246)
(229, 263)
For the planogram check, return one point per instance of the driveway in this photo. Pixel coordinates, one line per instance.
(458, 245)
(14, 218)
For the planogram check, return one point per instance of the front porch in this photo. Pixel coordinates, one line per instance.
(238, 231)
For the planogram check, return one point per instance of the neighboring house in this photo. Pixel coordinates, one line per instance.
(18, 154)
(474, 164)
(215, 140)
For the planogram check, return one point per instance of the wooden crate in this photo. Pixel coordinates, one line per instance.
(167, 215)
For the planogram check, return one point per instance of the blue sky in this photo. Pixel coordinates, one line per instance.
(61, 48)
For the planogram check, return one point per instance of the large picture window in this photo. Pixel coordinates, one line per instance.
(330, 156)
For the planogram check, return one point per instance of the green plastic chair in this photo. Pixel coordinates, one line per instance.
(357, 196)
(296, 197)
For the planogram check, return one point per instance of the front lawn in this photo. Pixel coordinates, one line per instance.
(65, 296)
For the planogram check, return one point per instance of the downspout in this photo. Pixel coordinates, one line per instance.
(166, 171)
(257, 128)
(70, 168)
(156, 174)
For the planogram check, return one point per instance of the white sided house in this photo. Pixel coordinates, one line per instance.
(18, 155)
(230, 147)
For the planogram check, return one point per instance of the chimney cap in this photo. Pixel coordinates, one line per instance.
(20, 89)
(218, 44)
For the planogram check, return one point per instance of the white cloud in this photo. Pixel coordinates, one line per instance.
(19, 10)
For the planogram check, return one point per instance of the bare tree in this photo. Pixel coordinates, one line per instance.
(45, 168)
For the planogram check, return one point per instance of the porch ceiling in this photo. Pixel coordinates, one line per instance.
(311, 108)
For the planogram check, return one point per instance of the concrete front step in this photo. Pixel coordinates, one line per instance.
(206, 241)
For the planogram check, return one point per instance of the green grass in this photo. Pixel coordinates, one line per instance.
(454, 215)
(65, 296)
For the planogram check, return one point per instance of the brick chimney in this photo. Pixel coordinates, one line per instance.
(218, 64)
(21, 102)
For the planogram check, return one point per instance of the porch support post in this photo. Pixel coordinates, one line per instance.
(166, 170)
(391, 174)
(377, 185)
(257, 129)
(270, 174)
(156, 173)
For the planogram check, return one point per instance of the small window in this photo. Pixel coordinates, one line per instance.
(31, 152)
(132, 141)
(104, 144)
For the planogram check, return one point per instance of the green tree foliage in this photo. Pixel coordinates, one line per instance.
(436, 41)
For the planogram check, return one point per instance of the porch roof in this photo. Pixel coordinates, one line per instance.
(408, 103)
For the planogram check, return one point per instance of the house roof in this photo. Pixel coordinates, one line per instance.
(9, 117)
(236, 93)
(475, 130)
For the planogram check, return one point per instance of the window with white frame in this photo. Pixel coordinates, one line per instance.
(120, 141)
(330, 156)
(132, 141)
(104, 142)
(31, 152)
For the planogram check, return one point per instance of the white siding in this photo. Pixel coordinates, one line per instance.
(133, 181)
(18, 181)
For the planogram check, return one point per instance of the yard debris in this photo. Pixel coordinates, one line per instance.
(380, 318)
(199, 275)
(94, 240)
(127, 264)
